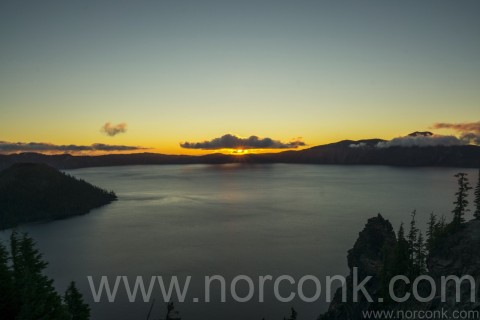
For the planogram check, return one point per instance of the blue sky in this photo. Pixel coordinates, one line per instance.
(179, 71)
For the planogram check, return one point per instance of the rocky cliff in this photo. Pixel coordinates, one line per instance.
(456, 253)
(367, 255)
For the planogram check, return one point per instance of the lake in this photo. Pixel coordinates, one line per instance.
(229, 220)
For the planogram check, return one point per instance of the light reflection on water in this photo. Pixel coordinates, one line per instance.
(255, 220)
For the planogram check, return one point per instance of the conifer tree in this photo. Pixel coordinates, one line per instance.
(431, 231)
(421, 255)
(172, 314)
(37, 296)
(396, 263)
(401, 263)
(477, 198)
(412, 237)
(26, 293)
(6, 286)
(441, 223)
(461, 201)
(401, 232)
(293, 315)
(76, 307)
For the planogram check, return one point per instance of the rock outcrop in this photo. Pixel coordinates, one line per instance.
(368, 256)
(457, 253)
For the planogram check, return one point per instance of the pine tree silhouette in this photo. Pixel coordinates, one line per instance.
(461, 201)
(477, 198)
(26, 293)
(77, 308)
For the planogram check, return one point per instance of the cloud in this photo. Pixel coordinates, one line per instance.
(113, 130)
(110, 147)
(8, 147)
(358, 145)
(469, 131)
(230, 141)
(421, 141)
(463, 127)
(470, 138)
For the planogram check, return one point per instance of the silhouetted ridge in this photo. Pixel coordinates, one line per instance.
(346, 152)
(32, 192)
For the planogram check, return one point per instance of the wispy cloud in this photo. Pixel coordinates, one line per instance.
(469, 131)
(230, 141)
(113, 130)
(9, 147)
(460, 127)
(113, 147)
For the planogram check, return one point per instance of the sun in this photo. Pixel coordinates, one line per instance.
(239, 152)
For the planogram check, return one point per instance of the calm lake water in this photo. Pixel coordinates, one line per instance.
(229, 220)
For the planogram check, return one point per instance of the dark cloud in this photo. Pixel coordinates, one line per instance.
(110, 147)
(113, 130)
(7, 147)
(230, 141)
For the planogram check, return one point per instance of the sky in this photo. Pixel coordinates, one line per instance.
(168, 72)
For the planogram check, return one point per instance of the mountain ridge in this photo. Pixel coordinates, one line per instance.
(345, 152)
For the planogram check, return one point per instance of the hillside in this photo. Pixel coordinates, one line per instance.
(342, 153)
(32, 192)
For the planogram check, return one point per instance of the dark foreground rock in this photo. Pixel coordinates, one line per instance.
(457, 253)
(367, 255)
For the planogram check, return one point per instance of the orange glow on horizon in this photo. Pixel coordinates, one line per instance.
(170, 145)
(239, 152)
(189, 152)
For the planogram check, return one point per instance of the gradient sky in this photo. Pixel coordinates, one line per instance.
(180, 70)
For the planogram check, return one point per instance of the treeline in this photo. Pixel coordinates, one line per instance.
(37, 192)
(26, 293)
(412, 248)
